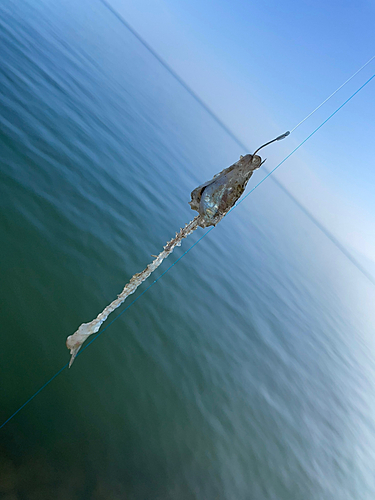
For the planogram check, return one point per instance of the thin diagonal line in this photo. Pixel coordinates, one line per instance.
(34, 395)
(192, 246)
(333, 93)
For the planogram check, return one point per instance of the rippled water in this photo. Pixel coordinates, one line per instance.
(246, 372)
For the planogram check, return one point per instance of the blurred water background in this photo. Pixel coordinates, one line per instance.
(246, 372)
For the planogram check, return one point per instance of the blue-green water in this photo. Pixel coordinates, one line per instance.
(246, 372)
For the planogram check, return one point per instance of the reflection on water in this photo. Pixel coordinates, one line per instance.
(245, 372)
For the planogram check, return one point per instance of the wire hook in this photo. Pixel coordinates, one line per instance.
(274, 140)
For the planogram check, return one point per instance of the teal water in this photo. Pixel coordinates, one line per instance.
(246, 372)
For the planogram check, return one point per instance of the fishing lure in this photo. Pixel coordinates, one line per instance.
(212, 200)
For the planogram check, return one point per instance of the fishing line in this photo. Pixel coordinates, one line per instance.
(333, 93)
(187, 251)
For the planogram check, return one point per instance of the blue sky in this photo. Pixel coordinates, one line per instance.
(262, 67)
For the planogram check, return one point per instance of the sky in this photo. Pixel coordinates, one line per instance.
(262, 67)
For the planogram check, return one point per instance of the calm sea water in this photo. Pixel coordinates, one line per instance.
(246, 372)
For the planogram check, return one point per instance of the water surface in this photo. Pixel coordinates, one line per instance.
(246, 372)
